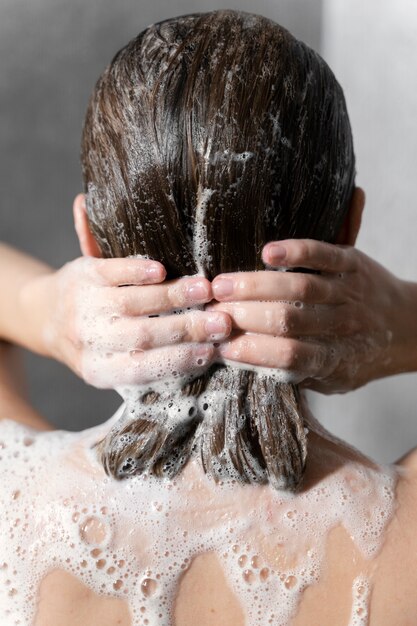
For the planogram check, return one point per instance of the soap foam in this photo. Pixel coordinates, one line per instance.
(200, 240)
(361, 590)
(134, 539)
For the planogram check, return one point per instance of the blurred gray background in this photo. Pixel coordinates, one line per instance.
(51, 53)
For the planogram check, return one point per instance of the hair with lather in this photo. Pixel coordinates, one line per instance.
(224, 119)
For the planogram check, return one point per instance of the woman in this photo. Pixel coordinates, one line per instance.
(206, 137)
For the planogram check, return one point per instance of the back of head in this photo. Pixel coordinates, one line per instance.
(206, 137)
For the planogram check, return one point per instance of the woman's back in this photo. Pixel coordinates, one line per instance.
(81, 548)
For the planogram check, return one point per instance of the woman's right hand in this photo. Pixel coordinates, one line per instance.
(105, 319)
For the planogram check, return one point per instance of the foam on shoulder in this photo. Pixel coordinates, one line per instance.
(133, 539)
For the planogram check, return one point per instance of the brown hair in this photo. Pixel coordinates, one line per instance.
(228, 112)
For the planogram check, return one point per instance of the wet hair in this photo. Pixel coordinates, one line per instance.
(207, 136)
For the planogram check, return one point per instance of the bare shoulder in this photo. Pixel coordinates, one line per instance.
(408, 464)
(395, 576)
(406, 496)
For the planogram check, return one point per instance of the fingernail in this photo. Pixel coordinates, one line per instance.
(153, 271)
(222, 287)
(216, 327)
(276, 253)
(197, 292)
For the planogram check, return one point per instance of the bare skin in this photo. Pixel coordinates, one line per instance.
(78, 606)
(13, 396)
(205, 596)
(329, 602)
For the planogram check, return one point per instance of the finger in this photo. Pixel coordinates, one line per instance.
(127, 334)
(127, 271)
(311, 254)
(140, 368)
(283, 286)
(287, 320)
(154, 299)
(302, 359)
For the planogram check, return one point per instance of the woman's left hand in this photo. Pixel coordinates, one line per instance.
(333, 331)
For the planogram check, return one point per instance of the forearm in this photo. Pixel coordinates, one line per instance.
(13, 402)
(20, 315)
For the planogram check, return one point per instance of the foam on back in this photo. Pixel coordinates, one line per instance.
(134, 539)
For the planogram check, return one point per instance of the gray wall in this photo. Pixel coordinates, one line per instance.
(372, 48)
(51, 53)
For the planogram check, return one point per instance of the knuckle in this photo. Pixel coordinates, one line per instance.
(320, 360)
(123, 303)
(236, 349)
(278, 321)
(241, 348)
(246, 284)
(334, 255)
(237, 314)
(286, 320)
(143, 342)
(144, 337)
(302, 252)
(176, 294)
(323, 289)
(348, 258)
(304, 289)
(98, 270)
(244, 347)
(290, 355)
(355, 257)
(193, 327)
